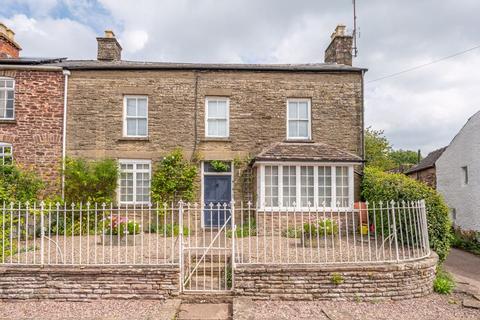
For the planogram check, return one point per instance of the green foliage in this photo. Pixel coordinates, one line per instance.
(321, 227)
(377, 149)
(6, 247)
(404, 157)
(380, 186)
(167, 230)
(90, 181)
(380, 154)
(291, 232)
(174, 179)
(247, 229)
(468, 240)
(119, 226)
(336, 279)
(18, 185)
(443, 283)
(219, 166)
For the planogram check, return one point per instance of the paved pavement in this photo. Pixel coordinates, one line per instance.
(465, 267)
(204, 311)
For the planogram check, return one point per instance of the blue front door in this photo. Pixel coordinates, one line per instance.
(217, 195)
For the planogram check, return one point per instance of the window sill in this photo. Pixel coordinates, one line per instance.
(8, 121)
(134, 139)
(216, 139)
(291, 140)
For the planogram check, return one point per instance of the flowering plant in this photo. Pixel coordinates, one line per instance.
(120, 226)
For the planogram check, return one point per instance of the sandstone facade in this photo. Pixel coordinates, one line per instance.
(176, 112)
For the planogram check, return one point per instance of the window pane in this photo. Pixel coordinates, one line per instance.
(9, 113)
(324, 186)
(142, 107)
(222, 128)
(292, 110)
(135, 184)
(131, 107)
(303, 129)
(292, 129)
(306, 186)
(142, 127)
(131, 127)
(271, 186)
(10, 94)
(222, 109)
(3, 95)
(302, 110)
(212, 128)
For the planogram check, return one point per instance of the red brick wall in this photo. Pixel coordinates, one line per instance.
(36, 132)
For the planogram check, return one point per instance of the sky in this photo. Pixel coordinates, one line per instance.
(422, 109)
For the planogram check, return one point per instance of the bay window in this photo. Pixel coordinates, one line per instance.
(292, 186)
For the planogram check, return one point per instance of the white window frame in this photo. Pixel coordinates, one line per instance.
(333, 207)
(309, 113)
(227, 100)
(6, 90)
(134, 171)
(3, 154)
(125, 116)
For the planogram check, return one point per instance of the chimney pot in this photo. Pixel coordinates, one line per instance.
(340, 48)
(108, 47)
(8, 47)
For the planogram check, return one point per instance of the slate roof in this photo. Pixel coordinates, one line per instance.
(30, 61)
(305, 151)
(144, 65)
(427, 162)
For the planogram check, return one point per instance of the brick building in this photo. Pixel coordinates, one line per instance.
(425, 170)
(31, 111)
(290, 133)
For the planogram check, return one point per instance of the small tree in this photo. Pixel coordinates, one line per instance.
(404, 157)
(93, 181)
(174, 179)
(377, 150)
(17, 184)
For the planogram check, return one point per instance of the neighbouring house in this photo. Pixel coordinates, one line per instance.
(458, 175)
(291, 134)
(31, 111)
(425, 170)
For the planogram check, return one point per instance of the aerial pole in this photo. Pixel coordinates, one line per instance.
(354, 33)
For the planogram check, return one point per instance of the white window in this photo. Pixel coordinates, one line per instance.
(217, 117)
(298, 119)
(304, 186)
(7, 92)
(6, 153)
(134, 186)
(135, 116)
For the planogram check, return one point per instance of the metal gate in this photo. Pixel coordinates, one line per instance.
(206, 248)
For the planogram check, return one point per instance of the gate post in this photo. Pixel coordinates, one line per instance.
(233, 227)
(180, 243)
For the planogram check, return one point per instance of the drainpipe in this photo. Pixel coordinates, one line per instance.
(66, 73)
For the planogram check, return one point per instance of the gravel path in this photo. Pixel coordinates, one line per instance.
(104, 309)
(432, 307)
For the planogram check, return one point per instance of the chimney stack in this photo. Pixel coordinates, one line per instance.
(8, 47)
(108, 47)
(340, 49)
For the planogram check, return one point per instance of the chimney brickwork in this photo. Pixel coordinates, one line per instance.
(108, 47)
(8, 47)
(340, 49)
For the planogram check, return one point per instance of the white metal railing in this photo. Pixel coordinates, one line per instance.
(158, 234)
(89, 234)
(382, 232)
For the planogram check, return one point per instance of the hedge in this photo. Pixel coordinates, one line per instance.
(380, 186)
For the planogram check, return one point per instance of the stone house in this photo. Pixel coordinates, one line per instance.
(290, 134)
(425, 170)
(458, 175)
(31, 111)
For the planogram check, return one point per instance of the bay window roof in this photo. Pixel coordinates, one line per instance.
(305, 151)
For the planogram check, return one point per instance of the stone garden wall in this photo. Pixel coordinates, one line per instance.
(337, 282)
(75, 283)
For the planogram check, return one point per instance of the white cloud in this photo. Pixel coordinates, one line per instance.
(134, 40)
(48, 37)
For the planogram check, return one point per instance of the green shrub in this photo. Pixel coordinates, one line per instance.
(90, 180)
(468, 240)
(291, 232)
(167, 230)
(174, 179)
(246, 229)
(18, 185)
(336, 279)
(443, 283)
(321, 227)
(380, 186)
